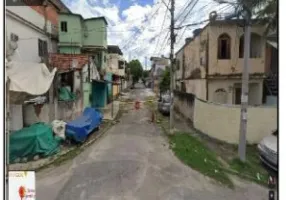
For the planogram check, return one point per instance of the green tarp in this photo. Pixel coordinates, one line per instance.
(66, 95)
(36, 139)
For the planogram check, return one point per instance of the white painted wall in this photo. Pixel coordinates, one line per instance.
(27, 47)
(28, 37)
(112, 64)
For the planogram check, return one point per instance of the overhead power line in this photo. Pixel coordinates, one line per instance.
(192, 7)
(166, 12)
(133, 37)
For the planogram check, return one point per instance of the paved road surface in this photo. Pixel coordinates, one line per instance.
(133, 162)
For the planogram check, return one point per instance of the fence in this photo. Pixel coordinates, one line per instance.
(222, 121)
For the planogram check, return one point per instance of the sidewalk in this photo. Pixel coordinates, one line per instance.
(107, 111)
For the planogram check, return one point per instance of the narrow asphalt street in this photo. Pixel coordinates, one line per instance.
(132, 161)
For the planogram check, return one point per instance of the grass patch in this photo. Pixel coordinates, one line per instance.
(252, 169)
(186, 148)
(195, 154)
(150, 98)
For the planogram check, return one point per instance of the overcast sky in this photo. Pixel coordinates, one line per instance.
(137, 27)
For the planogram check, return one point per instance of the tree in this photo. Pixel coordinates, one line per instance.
(145, 73)
(265, 11)
(136, 70)
(145, 76)
(165, 81)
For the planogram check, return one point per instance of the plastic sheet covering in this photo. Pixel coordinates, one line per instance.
(80, 128)
(28, 79)
(66, 95)
(59, 128)
(36, 139)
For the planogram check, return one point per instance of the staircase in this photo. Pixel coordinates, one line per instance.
(271, 83)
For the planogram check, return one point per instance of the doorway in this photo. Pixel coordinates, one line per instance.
(237, 96)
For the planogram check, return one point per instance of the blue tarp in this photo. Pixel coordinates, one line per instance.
(80, 128)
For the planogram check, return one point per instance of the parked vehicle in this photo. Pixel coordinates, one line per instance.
(268, 150)
(164, 104)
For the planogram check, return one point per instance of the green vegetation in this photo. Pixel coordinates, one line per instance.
(195, 154)
(136, 70)
(265, 11)
(165, 81)
(193, 148)
(252, 168)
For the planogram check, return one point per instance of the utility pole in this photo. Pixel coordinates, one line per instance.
(46, 61)
(244, 87)
(172, 64)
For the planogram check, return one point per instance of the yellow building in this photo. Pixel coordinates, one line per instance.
(210, 64)
(159, 64)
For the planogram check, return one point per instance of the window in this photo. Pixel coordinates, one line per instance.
(66, 86)
(241, 47)
(42, 48)
(178, 64)
(64, 27)
(183, 87)
(255, 46)
(224, 47)
(120, 64)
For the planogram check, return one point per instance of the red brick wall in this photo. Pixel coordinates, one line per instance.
(52, 14)
(64, 61)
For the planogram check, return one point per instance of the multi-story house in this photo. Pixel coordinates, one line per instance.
(271, 81)
(87, 36)
(33, 29)
(210, 64)
(31, 33)
(116, 65)
(158, 67)
(78, 35)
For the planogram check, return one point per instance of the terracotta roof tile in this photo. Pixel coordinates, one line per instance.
(64, 61)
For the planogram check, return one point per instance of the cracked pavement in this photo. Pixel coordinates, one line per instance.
(132, 161)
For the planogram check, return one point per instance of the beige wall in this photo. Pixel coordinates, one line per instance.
(193, 53)
(257, 65)
(179, 71)
(112, 64)
(197, 87)
(255, 90)
(184, 107)
(160, 61)
(222, 122)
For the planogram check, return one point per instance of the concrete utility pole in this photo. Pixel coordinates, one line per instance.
(172, 64)
(244, 87)
(46, 61)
